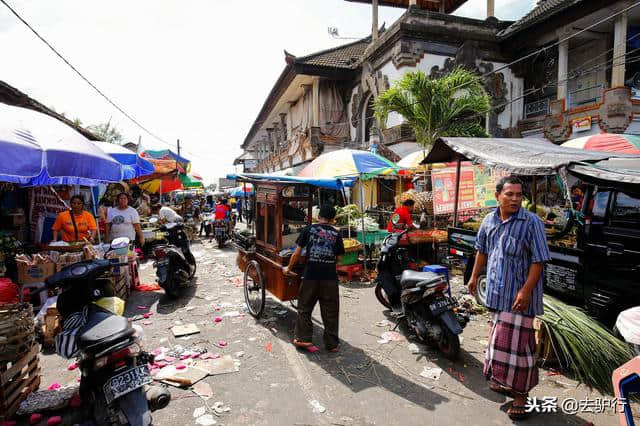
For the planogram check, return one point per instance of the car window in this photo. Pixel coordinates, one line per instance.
(600, 203)
(626, 209)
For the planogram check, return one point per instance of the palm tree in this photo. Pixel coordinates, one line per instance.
(453, 105)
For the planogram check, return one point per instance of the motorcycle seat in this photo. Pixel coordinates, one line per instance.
(102, 330)
(412, 278)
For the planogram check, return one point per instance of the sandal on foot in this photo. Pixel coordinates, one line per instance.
(501, 389)
(334, 350)
(517, 412)
(301, 344)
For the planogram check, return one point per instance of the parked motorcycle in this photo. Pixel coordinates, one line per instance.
(221, 232)
(422, 298)
(175, 264)
(115, 380)
(207, 224)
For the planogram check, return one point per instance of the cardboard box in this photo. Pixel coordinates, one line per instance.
(28, 274)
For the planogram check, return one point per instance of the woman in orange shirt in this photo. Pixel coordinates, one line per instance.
(75, 224)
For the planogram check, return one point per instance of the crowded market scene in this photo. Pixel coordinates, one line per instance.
(432, 216)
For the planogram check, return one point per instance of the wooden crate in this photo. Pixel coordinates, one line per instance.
(17, 380)
(17, 330)
(52, 326)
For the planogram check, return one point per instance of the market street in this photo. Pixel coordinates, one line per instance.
(367, 383)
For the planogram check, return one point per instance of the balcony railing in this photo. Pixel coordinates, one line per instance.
(538, 108)
(585, 96)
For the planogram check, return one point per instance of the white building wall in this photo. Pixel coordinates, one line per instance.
(514, 107)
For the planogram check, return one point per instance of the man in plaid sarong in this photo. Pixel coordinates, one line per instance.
(511, 243)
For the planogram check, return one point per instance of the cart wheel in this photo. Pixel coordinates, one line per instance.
(254, 291)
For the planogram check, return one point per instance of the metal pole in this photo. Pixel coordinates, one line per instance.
(364, 231)
(455, 206)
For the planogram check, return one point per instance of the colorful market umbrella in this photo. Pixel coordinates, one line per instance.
(241, 191)
(349, 162)
(610, 142)
(37, 149)
(190, 181)
(133, 165)
(413, 160)
(161, 185)
(167, 154)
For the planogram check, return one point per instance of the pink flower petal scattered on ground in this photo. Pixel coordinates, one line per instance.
(54, 386)
(142, 307)
(194, 356)
(218, 319)
(183, 357)
(55, 420)
(72, 366)
(35, 418)
(268, 347)
(218, 308)
(79, 379)
(180, 366)
(147, 322)
(222, 343)
(170, 358)
(157, 351)
(147, 315)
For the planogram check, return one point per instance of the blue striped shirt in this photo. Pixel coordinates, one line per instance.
(512, 246)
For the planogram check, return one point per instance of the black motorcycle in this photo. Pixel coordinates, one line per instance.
(175, 264)
(422, 298)
(115, 379)
(221, 227)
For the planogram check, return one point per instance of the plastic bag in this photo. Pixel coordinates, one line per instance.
(114, 305)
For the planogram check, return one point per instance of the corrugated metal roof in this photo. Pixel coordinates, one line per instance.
(543, 10)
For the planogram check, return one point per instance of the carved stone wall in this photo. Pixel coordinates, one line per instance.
(616, 111)
(371, 83)
(556, 124)
(407, 53)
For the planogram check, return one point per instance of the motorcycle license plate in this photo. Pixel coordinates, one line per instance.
(126, 382)
(444, 304)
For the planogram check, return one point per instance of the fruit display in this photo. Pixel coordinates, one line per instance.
(351, 245)
(423, 200)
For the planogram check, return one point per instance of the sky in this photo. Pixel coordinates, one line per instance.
(194, 70)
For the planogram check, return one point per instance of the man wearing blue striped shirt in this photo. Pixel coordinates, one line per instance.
(511, 244)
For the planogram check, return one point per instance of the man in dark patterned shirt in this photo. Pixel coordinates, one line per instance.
(324, 246)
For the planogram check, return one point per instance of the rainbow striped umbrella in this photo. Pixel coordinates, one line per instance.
(349, 162)
(610, 142)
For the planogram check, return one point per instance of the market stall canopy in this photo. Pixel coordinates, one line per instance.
(167, 154)
(329, 183)
(349, 163)
(37, 149)
(610, 142)
(191, 181)
(133, 165)
(616, 171)
(161, 185)
(526, 156)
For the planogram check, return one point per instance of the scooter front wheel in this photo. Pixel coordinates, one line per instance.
(382, 297)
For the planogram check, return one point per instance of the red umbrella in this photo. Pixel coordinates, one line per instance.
(610, 142)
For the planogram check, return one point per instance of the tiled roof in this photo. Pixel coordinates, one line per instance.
(543, 10)
(345, 56)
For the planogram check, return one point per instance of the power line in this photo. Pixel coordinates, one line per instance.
(93, 86)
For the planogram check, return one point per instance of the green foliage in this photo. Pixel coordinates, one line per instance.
(453, 105)
(107, 132)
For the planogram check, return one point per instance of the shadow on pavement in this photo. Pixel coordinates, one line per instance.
(353, 367)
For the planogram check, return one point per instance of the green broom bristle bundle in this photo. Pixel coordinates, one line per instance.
(585, 348)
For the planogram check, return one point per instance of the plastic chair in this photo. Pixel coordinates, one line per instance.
(626, 384)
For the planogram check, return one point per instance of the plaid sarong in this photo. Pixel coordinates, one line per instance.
(511, 356)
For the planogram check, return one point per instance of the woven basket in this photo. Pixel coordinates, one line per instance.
(17, 330)
(423, 200)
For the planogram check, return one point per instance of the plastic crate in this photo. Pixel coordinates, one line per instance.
(348, 258)
(372, 237)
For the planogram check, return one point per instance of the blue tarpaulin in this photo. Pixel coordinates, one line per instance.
(329, 183)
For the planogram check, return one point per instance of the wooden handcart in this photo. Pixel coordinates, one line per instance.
(283, 207)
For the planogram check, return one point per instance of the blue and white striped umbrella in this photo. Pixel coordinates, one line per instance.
(133, 165)
(36, 149)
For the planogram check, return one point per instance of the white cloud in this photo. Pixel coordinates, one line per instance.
(197, 70)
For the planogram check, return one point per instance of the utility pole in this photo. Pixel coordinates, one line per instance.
(178, 146)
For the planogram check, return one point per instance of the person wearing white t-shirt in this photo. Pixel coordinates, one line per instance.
(123, 221)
